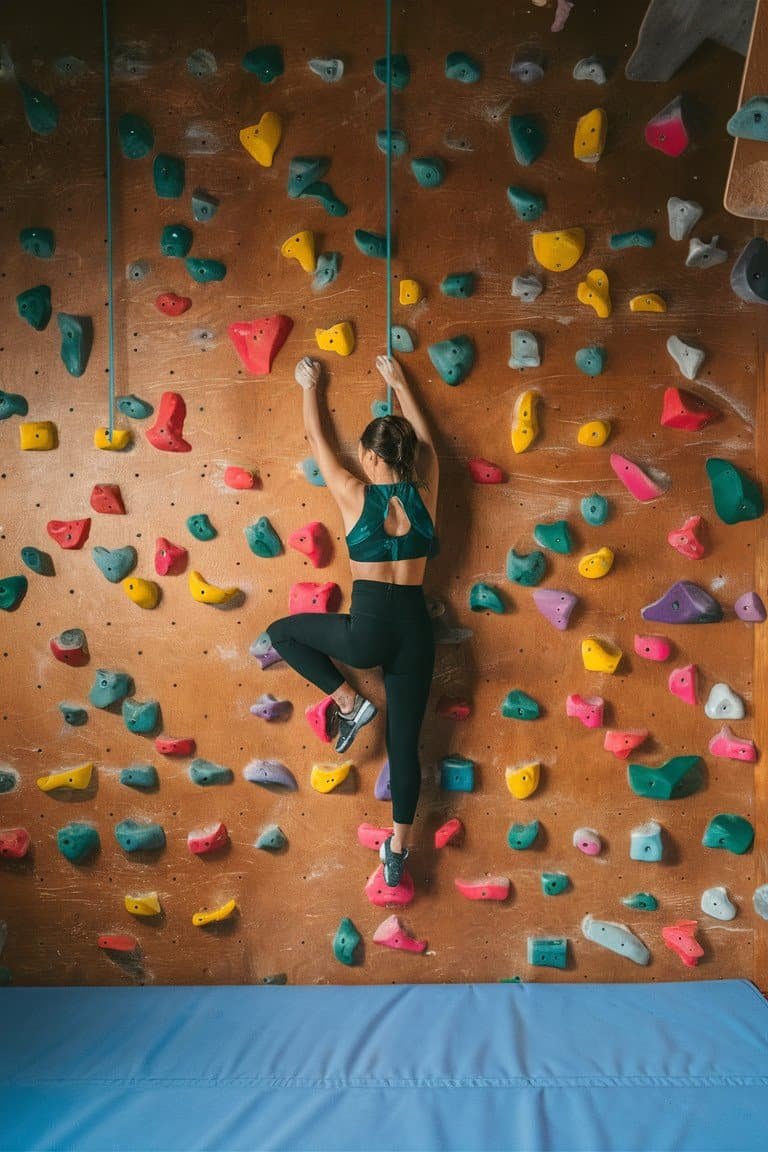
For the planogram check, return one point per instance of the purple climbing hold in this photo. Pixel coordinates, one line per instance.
(262, 649)
(266, 772)
(684, 603)
(382, 789)
(750, 607)
(268, 708)
(555, 606)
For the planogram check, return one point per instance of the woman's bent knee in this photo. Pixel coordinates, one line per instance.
(278, 631)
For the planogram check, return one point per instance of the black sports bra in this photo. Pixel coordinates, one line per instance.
(367, 540)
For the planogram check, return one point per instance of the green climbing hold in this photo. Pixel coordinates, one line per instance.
(555, 536)
(168, 175)
(73, 715)
(547, 951)
(345, 942)
(483, 598)
(12, 404)
(265, 62)
(459, 284)
(323, 192)
(639, 238)
(135, 837)
(40, 110)
(733, 833)
(115, 563)
(136, 136)
(680, 776)
(13, 589)
(642, 901)
(527, 569)
(371, 243)
(590, 361)
(201, 527)
(37, 561)
(462, 67)
(554, 883)
(205, 271)
(594, 509)
(134, 407)
(402, 340)
(141, 715)
(399, 70)
(262, 539)
(34, 306)
(205, 772)
(529, 139)
(142, 776)
(109, 688)
(77, 841)
(518, 705)
(175, 240)
(428, 170)
(736, 496)
(527, 205)
(305, 170)
(453, 359)
(76, 340)
(272, 839)
(38, 242)
(204, 206)
(398, 142)
(521, 836)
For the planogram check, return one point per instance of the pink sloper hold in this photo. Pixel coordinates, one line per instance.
(391, 934)
(682, 683)
(622, 741)
(485, 472)
(452, 832)
(588, 709)
(379, 893)
(490, 888)
(203, 840)
(653, 647)
(667, 132)
(258, 342)
(685, 541)
(170, 559)
(166, 432)
(240, 478)
(372, 837)
(728, 746)
(680, 938)
(320, 718)
(634, 479)
(313, 542)
(307, 596)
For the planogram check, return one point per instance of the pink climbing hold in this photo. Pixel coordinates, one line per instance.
(452, 832)
(258, 342)
(166, 432)
(682, 409)
(370, 836)
(117, 942)
(69, 533)
(682, 683)
(750, 607)
(587, 841)
(492, 888)
(685, 540)
(453, 708)
(667, 132)
(379, 893)
(170, 559)
(728, 746)
(653, 647)
(588, 709)
(240, 478)
(555, 605)
(634, 479)
(681, 939)
(622, 741)
(14, 843)
(170, 304)
(484, 472)
(210, 839)
(106, 498)
(391, 934)
(313, 542)
(307, 596)
(321, 718)
(180, 746)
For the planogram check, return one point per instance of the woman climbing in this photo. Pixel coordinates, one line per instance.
(390, 534)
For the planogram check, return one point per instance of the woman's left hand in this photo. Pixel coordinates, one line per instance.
(307, 373)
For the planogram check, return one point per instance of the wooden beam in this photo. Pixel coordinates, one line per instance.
(746, 190)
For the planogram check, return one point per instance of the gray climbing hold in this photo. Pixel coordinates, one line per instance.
(525, 350)
(688, 357)
(201, 63)
(723, 704)
(703, 255)
(70, 67)
(204, 206)
(616, 938)
(528, 65)
(527, 288)
(402, 340)
(749, 275)
(717, 903)
(458, 143)
(760, 901)
(326, 270)
(750, 122)
(329, 69)
(683, 215)
(398, 142)
(137, 270)
(590, 68)
(590, 361)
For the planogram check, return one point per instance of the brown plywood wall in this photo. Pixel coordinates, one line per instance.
(194, 659)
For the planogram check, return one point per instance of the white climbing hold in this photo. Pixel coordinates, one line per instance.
(688, 357)
(590, 68)
(717, 903)
(723, 704)
(616, 938)
(702, 255)
(527, 288)
(683, 216)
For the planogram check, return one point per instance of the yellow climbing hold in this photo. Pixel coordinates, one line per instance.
(410, 292)
(523, 780)
(79, 777)
(301, 247)
(559, 251)
(206, 593)
(222, 913)
(648, 302)
(121, 438)
(589, 137)
(598, 656)
(326, 777)
(594, 433)
(525, 428)
(145, 593)
(261, 140)
(146, 905)
(594, 291)
(340, 338)
(596, 564)
(37, 436)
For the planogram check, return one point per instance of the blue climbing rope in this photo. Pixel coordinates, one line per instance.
(389, 193)
(108, 145)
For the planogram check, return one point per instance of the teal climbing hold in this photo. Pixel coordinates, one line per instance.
(527, 568)
(326, 270)
(77, 841)
(12, 404)
(346, 940)
(554, 883)
(458, 284)
(399, 70)
(205, 271)
(555, 536)
(457, 774)
(428, 170)
(529, 138)
(735, 495)
(141, 776)
(305, 170)
(639, 238)
(484, 598)
(590, 361)
(527, 205)
(37, 561)
(678, 777)
(204, 206)
(76, 340)
(109, 688)
(380, 408)
(262, 539)
(645, 843)
(38, 242)
(265, 62)
(168, 176)
(642, 901)
(453, 358)
(518, 705)
(522, 836)
(547, 951)
(34, 306)
(312, 472)
(462, 67)
(13, 589)
(115, 563)
(272, 839)
(733, 833)
(175, 240)
(73, 715)
(9, 779)
(40, 110)
(134, 407)
(136, 136)
(524, 353)
(141, 715)
(135, 837)
(201, 527)
(402, 340)
(371, 243)
(323, 192)
(205, 772)
(398, 142)
(594, 509)
(750, 122)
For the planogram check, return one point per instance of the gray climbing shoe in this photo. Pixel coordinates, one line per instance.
(394, 863)
(350, 723)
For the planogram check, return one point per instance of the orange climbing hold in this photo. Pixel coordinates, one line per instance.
(241, 479)
(257, 342)
(166, 433)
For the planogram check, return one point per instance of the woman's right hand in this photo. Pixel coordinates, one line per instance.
(390, 371)
(307, 373)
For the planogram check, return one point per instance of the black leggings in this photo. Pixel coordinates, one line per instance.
(388, 625)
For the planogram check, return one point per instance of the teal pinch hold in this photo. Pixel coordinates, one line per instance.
(346, 941)
(77, 841)
(555, 536)
(38, 241)
(13, 589)
(527, 569)
(462, 67)
(73, 714)
(398, 142)
(529, 138)
(37, 561)
(41, 112)
(733, 833)
(326, 270)
(399, 70)
(522, 836)
(141, 776)
(34, 306)
(638, 238)
(457, 774)
(547, 951)
(312, 473)
(12, 404)
(134, 407)
(115, 563)
(109, 688)
(484, 598)
(141, 716)
(205, 271)
(323, 192)
(458, 285)
(265, 62)
(133, 836)
(136, 136)
(200, 527)
(518, 705)
(428, 170)
(527, 205)
(554, 883)
(205, 772)
(76, 340)
(641, 901)
(168, 176)
(304, 171)
(262, 539)
(175, 240)
(402, 340)
(590, 361)
(453, 358)
(594, 509)
(371, 243)
(272, 839)
(681, 776)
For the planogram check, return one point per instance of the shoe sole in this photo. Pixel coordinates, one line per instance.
(366, 715)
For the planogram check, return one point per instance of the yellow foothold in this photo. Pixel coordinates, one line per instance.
(340, 338)
(261, 140)
(523, 780)
(206, 593)
(326, 777)
(301, 247)
(145, 593)
(594, 291)
(37, 436)
(589, 137)
(79, 777)
(596, 564)
(648, 302)
(222, 913)
(146, 905)
(559, 251)
(121, 438)
(525, 428)
(410, 292)
(598, 656)
(594, 433)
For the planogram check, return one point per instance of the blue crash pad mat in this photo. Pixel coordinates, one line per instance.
(409, 1067)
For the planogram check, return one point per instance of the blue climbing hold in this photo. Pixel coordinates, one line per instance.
(205, 772)
(326, 270)
(554, 883)
(265, 62)
(38, 241)
(639, 238)
(12, 404)
(134, 407)
(110, 688)
(73, 715)
(77, 841)
(312, 472)
(642, 901)
(168, 176)
(547, 951)
(555, 536)
(529, 138)
(402, 340)
(37, 561)
(201, 527)
(371, 243)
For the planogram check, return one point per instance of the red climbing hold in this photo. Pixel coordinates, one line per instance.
(680, 938)
(307, 596)
(170, 559)
(113, 942)
(313, 542)
(240, 478)
(372, 837)
(69, 533)
(107, 498)
(453, 708)
(484, 472)
(682, 409)
(321, 718)
(667, 131)
(183, 746)
(623, 741)
(210, 839)
(14, 843)
(172, 305)
(392, 935)
(379, 893)
(452, 832)
(166, 432)
(685, 540)
(492, 888)
(259, 342)
(71, 647)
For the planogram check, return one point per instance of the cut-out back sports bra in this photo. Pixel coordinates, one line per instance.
(367, 540)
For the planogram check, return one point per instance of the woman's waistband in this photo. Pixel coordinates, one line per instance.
(382, 595)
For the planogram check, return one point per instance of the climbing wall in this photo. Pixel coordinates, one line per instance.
(289, 856)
